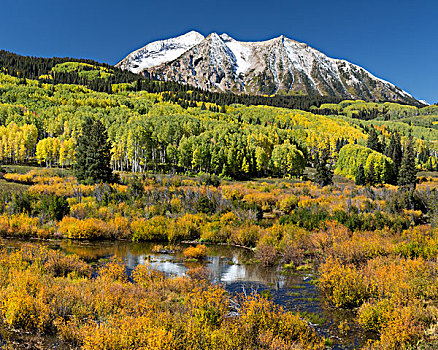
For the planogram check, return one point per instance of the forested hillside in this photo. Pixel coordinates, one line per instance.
(155, 126)
(88, 73)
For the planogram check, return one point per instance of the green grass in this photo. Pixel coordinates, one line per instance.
(18, 169)
(12, 187)
(24, 169)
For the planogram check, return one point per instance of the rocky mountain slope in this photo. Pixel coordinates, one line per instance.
(276, 66)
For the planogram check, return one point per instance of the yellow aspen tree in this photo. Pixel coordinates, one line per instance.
(41, 151)
(62, 153)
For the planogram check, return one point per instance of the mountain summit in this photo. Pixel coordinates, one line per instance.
(280, 65)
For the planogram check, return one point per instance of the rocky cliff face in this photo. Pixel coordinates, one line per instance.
(279, 65)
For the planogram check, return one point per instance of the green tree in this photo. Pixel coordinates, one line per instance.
(93, 154)
(135, 188)
(361, 179)
(371, 177)
(373, 141)
(408, 171)
(54, 207)
(394, 151)
(287, 159)
(324, 173)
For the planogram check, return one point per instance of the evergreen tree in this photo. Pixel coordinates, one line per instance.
(408, 171)
(373, 141)
(93, 154)
(338, 145)
(394, 150)
(371, 175)
(324, 173)
(360, 176)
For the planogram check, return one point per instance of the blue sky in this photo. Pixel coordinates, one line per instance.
(394, 40)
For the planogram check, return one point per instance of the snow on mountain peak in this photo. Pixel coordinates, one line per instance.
(266, 67)
(160, 51)
(226, 38)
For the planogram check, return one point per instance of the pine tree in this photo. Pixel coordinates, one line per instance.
(324, 174)
(373, 141)
(408, 171)
(338, 145)
(371, 175)
(394, 150)
(360, 176)
(93, 154)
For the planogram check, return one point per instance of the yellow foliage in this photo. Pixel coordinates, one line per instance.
(198, 252)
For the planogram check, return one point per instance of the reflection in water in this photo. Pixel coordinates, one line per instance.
(294, 292)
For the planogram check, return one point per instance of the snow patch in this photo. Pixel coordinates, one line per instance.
(242, 53)
(159, 52)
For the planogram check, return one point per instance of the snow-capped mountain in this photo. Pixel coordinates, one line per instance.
(159, 52)
(280, 65)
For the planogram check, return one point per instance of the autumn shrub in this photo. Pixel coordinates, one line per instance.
(91, 229)
(362, 246)
(246, 235)
(343, 285)
(145, 275)
(186, 227)
(113, 270)
(198, 252)
(401, 279)
(62, 187)
(420, 241)
(258, 315)
(20, 225)
(20, 302)
(154, 229)
(266, 254)
(295, 243)
(214, 232)
(372, 315)
(400, 326)
(119, 227)
(288, 203)
(127, 332)
(200, 273)
(53, 262)
(264, 200)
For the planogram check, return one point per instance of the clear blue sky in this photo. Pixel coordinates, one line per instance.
(395, 40)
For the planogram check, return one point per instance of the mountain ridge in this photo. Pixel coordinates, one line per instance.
(276, 66)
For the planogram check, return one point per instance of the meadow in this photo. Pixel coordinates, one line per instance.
(375, 249)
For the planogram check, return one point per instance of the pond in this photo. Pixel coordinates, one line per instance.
(232, 267)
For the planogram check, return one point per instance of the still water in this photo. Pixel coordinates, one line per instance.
(231, 267)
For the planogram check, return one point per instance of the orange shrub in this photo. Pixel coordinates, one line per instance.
(154, 229)
(144, 275)
(247, 235)
(20, 225)
(186, 227)
(343, 285)
(73, 228)
(198, 252)
(114, 270)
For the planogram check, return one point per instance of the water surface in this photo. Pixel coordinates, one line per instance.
(232, 267)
